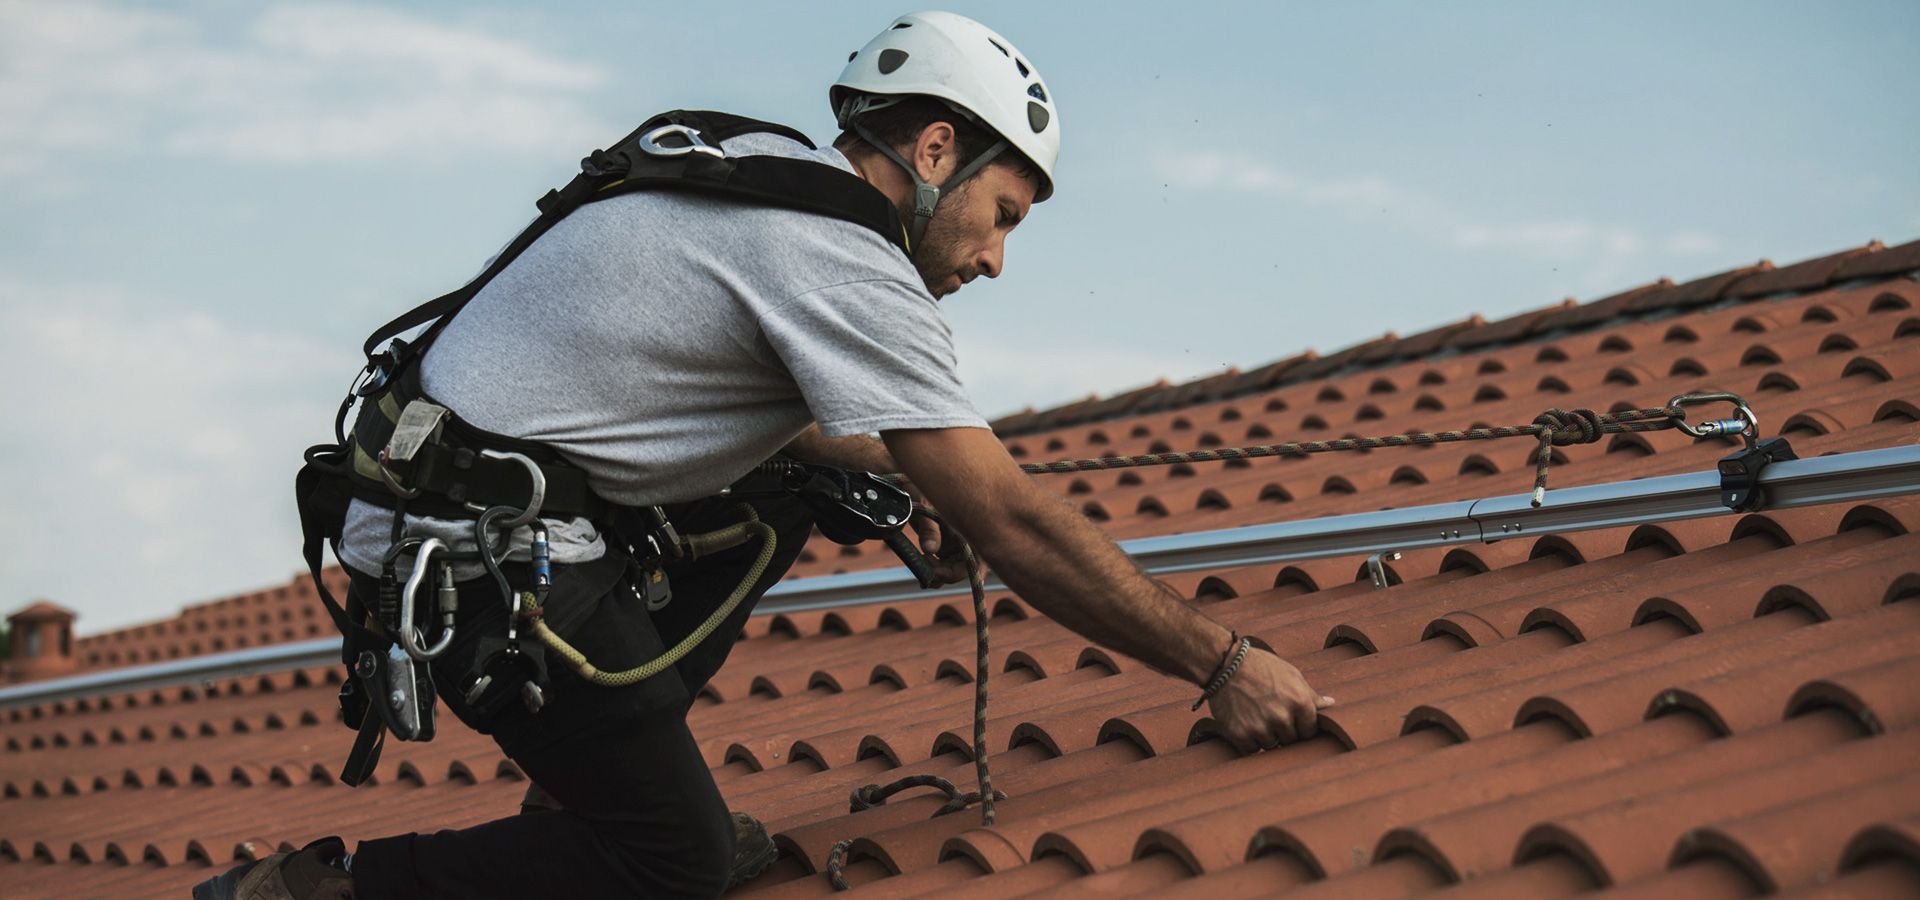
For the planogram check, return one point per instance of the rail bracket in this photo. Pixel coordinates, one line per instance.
(1740, 488)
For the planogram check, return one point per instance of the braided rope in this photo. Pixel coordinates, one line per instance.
(1553, 428)
(872, 795)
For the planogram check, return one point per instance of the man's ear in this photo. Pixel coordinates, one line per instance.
(933, 153)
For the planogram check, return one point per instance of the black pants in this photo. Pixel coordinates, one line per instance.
(642, 816)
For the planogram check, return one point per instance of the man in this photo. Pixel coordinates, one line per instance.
(665, 344)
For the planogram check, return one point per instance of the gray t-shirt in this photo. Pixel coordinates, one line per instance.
(666, 343)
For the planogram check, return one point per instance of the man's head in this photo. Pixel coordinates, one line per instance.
(945, 116)
(967, 235)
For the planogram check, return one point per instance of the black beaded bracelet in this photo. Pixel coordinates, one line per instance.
(1228, 665)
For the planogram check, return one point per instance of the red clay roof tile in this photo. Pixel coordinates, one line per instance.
(1464, 690)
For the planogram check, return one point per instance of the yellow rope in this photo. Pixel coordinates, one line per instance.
(701, 544)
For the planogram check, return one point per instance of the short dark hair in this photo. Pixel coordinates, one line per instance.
(899, 125)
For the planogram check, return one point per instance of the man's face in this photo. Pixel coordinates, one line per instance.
(967, 237)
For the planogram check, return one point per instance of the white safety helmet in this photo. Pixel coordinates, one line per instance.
(969, 67)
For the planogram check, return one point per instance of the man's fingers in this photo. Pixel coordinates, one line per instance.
(950, 571)
(929, 532)
(1306, 722)
(1281, 731)
(1242, 743)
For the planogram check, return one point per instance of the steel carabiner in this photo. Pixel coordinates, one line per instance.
(1747, 425)
(410, 636)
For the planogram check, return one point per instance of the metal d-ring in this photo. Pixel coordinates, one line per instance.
(1747, 425)
(538, 497)
(393, 484)
(649, 143)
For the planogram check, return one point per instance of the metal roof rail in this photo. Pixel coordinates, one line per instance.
(1839, 478)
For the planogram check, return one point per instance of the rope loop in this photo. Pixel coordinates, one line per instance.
(870, 796)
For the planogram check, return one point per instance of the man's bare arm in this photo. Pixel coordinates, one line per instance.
(858, 452)
(1052, 555)
(1057, 560)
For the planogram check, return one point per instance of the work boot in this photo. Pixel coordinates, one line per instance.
(753, 849)
(311, 873)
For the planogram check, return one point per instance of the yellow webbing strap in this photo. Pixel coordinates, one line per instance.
(700, 544)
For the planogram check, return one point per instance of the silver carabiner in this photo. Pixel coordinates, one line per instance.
(1747, 425)
(410, 636)
(649, 143)
(538, 496)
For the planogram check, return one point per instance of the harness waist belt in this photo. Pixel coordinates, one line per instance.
(459, 483)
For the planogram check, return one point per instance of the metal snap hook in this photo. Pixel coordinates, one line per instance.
(649, 143)
(1747, 425)
(534, 502)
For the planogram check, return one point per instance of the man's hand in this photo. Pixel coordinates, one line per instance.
(1049, 554)
(944, 548)
(1266, 703)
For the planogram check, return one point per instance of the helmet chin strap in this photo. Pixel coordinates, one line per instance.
(927, 196)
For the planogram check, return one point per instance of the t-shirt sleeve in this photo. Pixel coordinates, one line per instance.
(871, 355)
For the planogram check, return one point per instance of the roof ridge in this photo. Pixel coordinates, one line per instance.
(1759, 280)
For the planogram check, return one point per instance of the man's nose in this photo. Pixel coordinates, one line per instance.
(993, 259)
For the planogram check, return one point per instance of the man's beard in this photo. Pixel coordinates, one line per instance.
(938, 256)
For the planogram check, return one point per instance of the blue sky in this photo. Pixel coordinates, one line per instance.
(204, 206)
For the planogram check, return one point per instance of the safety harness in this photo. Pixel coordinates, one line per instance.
(412, 455)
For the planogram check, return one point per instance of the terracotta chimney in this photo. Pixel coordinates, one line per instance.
(42, 642)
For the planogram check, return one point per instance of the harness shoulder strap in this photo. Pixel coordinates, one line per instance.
(638, 162)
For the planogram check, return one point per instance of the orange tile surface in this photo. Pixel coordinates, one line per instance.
(1719, 707)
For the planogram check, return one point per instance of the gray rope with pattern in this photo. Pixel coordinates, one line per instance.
(872, 795)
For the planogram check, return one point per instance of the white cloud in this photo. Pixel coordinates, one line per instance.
(300, 84)
(1369, 196)
(150, 456)
(1692, 242)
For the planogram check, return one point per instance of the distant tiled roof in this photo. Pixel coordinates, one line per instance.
(40, 610)
(1707, 708)
(290, 612)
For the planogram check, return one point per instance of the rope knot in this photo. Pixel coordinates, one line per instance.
(1564, 427)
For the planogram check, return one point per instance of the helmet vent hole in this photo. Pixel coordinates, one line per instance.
(850, 56)
(1037, 92)
(899, 25)
(892, 59)
(1037, 116)
(1022, 65)
(997, 46)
